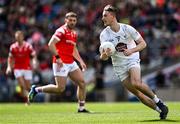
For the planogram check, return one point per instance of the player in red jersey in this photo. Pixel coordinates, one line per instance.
(19, 60)
(63, 46)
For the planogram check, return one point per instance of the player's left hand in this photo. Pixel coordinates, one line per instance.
(83, 66)
(59, 63)
(108, 52)
(8, 70)
(35, 64)
(104, 55)
(127, 52)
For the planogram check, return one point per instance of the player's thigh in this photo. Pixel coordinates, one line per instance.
(61, 81)
(134, 70)
(60, 74)
(27, 78)
(128, 85)
(121, 72)
(77, 76)
(21, 81)
(18, 73)
(135, 75)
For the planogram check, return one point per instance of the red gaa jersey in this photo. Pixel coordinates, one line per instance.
(67, 40)
(21, 55)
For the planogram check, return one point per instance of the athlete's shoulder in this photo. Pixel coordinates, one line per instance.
(105, 31)
(131, 30)
(28, 46)
(104, 35)
(13, 45)
(27, 43)
(126, 26)
(61, 29)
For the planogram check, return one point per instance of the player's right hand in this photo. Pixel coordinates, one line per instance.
(8, 70)
(59, 62)
(104, 55)
(83, 66)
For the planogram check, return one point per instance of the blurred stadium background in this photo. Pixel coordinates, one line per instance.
(158, 21)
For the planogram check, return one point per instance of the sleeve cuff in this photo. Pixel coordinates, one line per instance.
(55, 37)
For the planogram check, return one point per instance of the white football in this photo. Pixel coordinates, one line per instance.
(106, 45)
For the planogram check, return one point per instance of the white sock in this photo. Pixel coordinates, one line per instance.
(81, 108)
(158, 109)
(81, 105)
(156, 99)
(38, 89)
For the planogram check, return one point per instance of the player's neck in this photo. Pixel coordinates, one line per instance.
(20, 43)
(115, 26)
(69, 28)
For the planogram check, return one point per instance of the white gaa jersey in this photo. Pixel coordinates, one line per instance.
(124, 38)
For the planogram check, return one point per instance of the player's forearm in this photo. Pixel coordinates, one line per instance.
(139, 47)
(34, 60)
(77, 56)
(52, 47)
(9, 62)
(34, 56)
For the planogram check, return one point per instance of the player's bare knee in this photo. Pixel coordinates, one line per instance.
(136, 82)
(60, 89)
(82, 84)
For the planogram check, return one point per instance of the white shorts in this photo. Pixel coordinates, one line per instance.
(27, 74)
(122, 71)
(64, 71)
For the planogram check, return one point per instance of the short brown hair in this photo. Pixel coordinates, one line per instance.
(111, 8)
(71, 14)
(19, 31)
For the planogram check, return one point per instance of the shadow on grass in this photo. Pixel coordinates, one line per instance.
(158, 120)
(104, 112)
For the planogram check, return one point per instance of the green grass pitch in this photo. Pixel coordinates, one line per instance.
(103, 113)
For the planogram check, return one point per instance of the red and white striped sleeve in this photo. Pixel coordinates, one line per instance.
(59, 34)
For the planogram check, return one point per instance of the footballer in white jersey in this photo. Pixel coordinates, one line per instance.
(128, 42)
